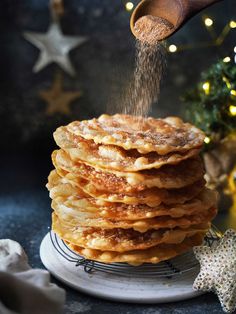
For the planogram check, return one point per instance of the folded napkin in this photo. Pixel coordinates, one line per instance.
(24, 290)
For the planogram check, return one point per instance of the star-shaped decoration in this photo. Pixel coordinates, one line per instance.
(218, 270)
(54, 47)
(57, 99)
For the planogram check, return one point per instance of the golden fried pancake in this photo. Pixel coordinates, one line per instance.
(130, 189)
(153, 255)
(113, 157)
(121, 240)
(144, 134)
(58, 187)
(141, 225)
(185, 173)
(93, 208)
(151, 197)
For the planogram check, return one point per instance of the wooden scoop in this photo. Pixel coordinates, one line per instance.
(175, 12)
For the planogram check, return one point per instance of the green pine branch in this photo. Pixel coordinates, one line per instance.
(209, 109)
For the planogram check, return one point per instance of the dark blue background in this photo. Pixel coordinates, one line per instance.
(103, 64)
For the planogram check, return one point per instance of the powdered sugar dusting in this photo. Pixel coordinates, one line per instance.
(144, 89)
(152, 29)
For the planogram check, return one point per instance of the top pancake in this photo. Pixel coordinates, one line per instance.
(114, 157)
(144, 134)
(186, 173)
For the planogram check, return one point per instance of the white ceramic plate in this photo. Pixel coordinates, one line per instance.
(114, 287)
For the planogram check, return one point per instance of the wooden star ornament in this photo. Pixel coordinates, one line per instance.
(58, 100)
(218, 270)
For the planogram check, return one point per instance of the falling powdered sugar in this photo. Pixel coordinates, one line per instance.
(150, 63)
(144, 89)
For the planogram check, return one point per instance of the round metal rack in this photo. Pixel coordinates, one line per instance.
(173, 267)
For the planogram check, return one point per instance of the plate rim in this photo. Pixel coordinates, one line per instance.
(102, 294)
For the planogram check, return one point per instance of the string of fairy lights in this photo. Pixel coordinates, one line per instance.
(216, 40)
(209, 24)
(129, 6)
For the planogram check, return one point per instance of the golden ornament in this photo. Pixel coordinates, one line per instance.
(57, 99)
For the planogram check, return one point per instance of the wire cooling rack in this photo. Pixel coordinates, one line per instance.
(173, 267)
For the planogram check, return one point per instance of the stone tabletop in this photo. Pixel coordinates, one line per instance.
(25, 217)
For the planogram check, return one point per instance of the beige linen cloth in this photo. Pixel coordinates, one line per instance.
(24, 290)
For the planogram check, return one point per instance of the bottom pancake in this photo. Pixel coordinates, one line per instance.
(153, 255)
(121, 240)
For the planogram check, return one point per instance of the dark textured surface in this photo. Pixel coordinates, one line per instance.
(25, 217)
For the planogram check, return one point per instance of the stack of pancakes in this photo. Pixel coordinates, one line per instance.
(130, 189)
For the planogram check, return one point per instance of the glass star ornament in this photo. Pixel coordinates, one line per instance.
(54, 47)
(218, 270)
